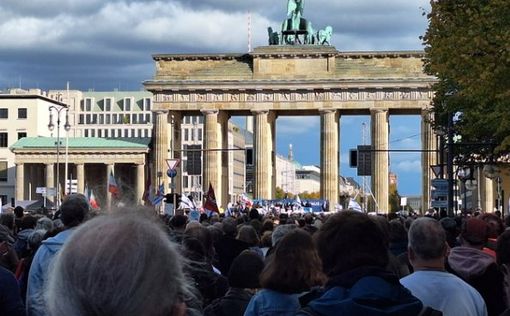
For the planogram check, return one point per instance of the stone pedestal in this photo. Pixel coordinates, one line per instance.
(329, 156)
(380, 161)
(428, 158)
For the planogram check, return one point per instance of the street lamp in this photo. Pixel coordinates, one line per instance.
(51, 127)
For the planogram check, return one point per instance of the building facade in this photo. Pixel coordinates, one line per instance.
(23, 113)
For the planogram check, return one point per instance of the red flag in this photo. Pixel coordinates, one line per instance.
(210, 200)
(92, 201)
(112, 185)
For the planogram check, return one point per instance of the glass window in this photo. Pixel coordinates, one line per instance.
(147, 118)
(22, 113)
(148, 104)
(4, 113)
(3, 173)
(22, 135)
(108, 119)
(3, 139)
(88, 104)
(201, 119)
(108, 104)
(94, 118)
(140, 119)
(92, 133)
(81, 119)
(86, 133)
(186, 134)
(185, 181)
(119, 133)
(101, 118)
(199, 131)
(134, 119)
(127, 104)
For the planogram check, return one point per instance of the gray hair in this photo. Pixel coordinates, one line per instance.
(119, 264)
(281, 231)
(44, 223)
(427, 238)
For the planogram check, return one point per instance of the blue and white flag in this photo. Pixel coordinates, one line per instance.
(160, 195)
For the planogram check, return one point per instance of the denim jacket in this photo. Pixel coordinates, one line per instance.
(268, 302)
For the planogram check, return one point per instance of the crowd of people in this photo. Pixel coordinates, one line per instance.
(135, 262)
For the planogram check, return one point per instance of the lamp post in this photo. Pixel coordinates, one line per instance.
(51, 127)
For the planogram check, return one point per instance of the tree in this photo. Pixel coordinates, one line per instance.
(394, 198)
(467, 47)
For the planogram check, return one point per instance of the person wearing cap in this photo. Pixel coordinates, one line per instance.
(477, 268)
(243, 279)
(73, 212)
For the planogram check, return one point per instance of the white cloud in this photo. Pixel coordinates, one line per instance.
(410, 166)
(297, 124)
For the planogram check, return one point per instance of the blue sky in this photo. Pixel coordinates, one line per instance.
(107, 44)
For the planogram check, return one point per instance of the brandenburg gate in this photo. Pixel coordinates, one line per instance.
(279, 80)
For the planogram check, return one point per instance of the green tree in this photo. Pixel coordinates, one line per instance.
(394, 198)
(467, 47)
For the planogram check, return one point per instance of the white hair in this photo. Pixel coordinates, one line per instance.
(120, 264)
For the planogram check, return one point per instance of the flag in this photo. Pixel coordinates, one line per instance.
(92, 201)
(210, 200)
(186, 202)
(297, 202)
(353, 205)
(246, 200)
(113, 188)
(86, 191)
(160, 195)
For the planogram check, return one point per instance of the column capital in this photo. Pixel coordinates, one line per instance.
(209, 111)
(326, 111)
(258, 111)
(378, 110)
(160, 112)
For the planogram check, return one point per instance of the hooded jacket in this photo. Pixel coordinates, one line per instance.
(480, 271)
(365, 291)
(21, 244)
(38, 274)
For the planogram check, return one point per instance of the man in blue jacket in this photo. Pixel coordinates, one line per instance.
(73, 212)
(354, 253)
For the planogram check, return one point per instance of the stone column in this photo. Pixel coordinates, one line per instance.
(140, 183)
(380, 158)
(223, 196)
(487, 193)
(50, 179)
(262, 146)
(329, 156)
(80, 177)
(175, 150)
(161, 147)
(212, 156)
(428, 157)
(109, 169)
(20, 181)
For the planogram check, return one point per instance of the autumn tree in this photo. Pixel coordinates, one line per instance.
(467, 47)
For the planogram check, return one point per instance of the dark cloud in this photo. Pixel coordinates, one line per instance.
(102, 43)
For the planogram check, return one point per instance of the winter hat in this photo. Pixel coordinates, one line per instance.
(475, 231)
(245, 270)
